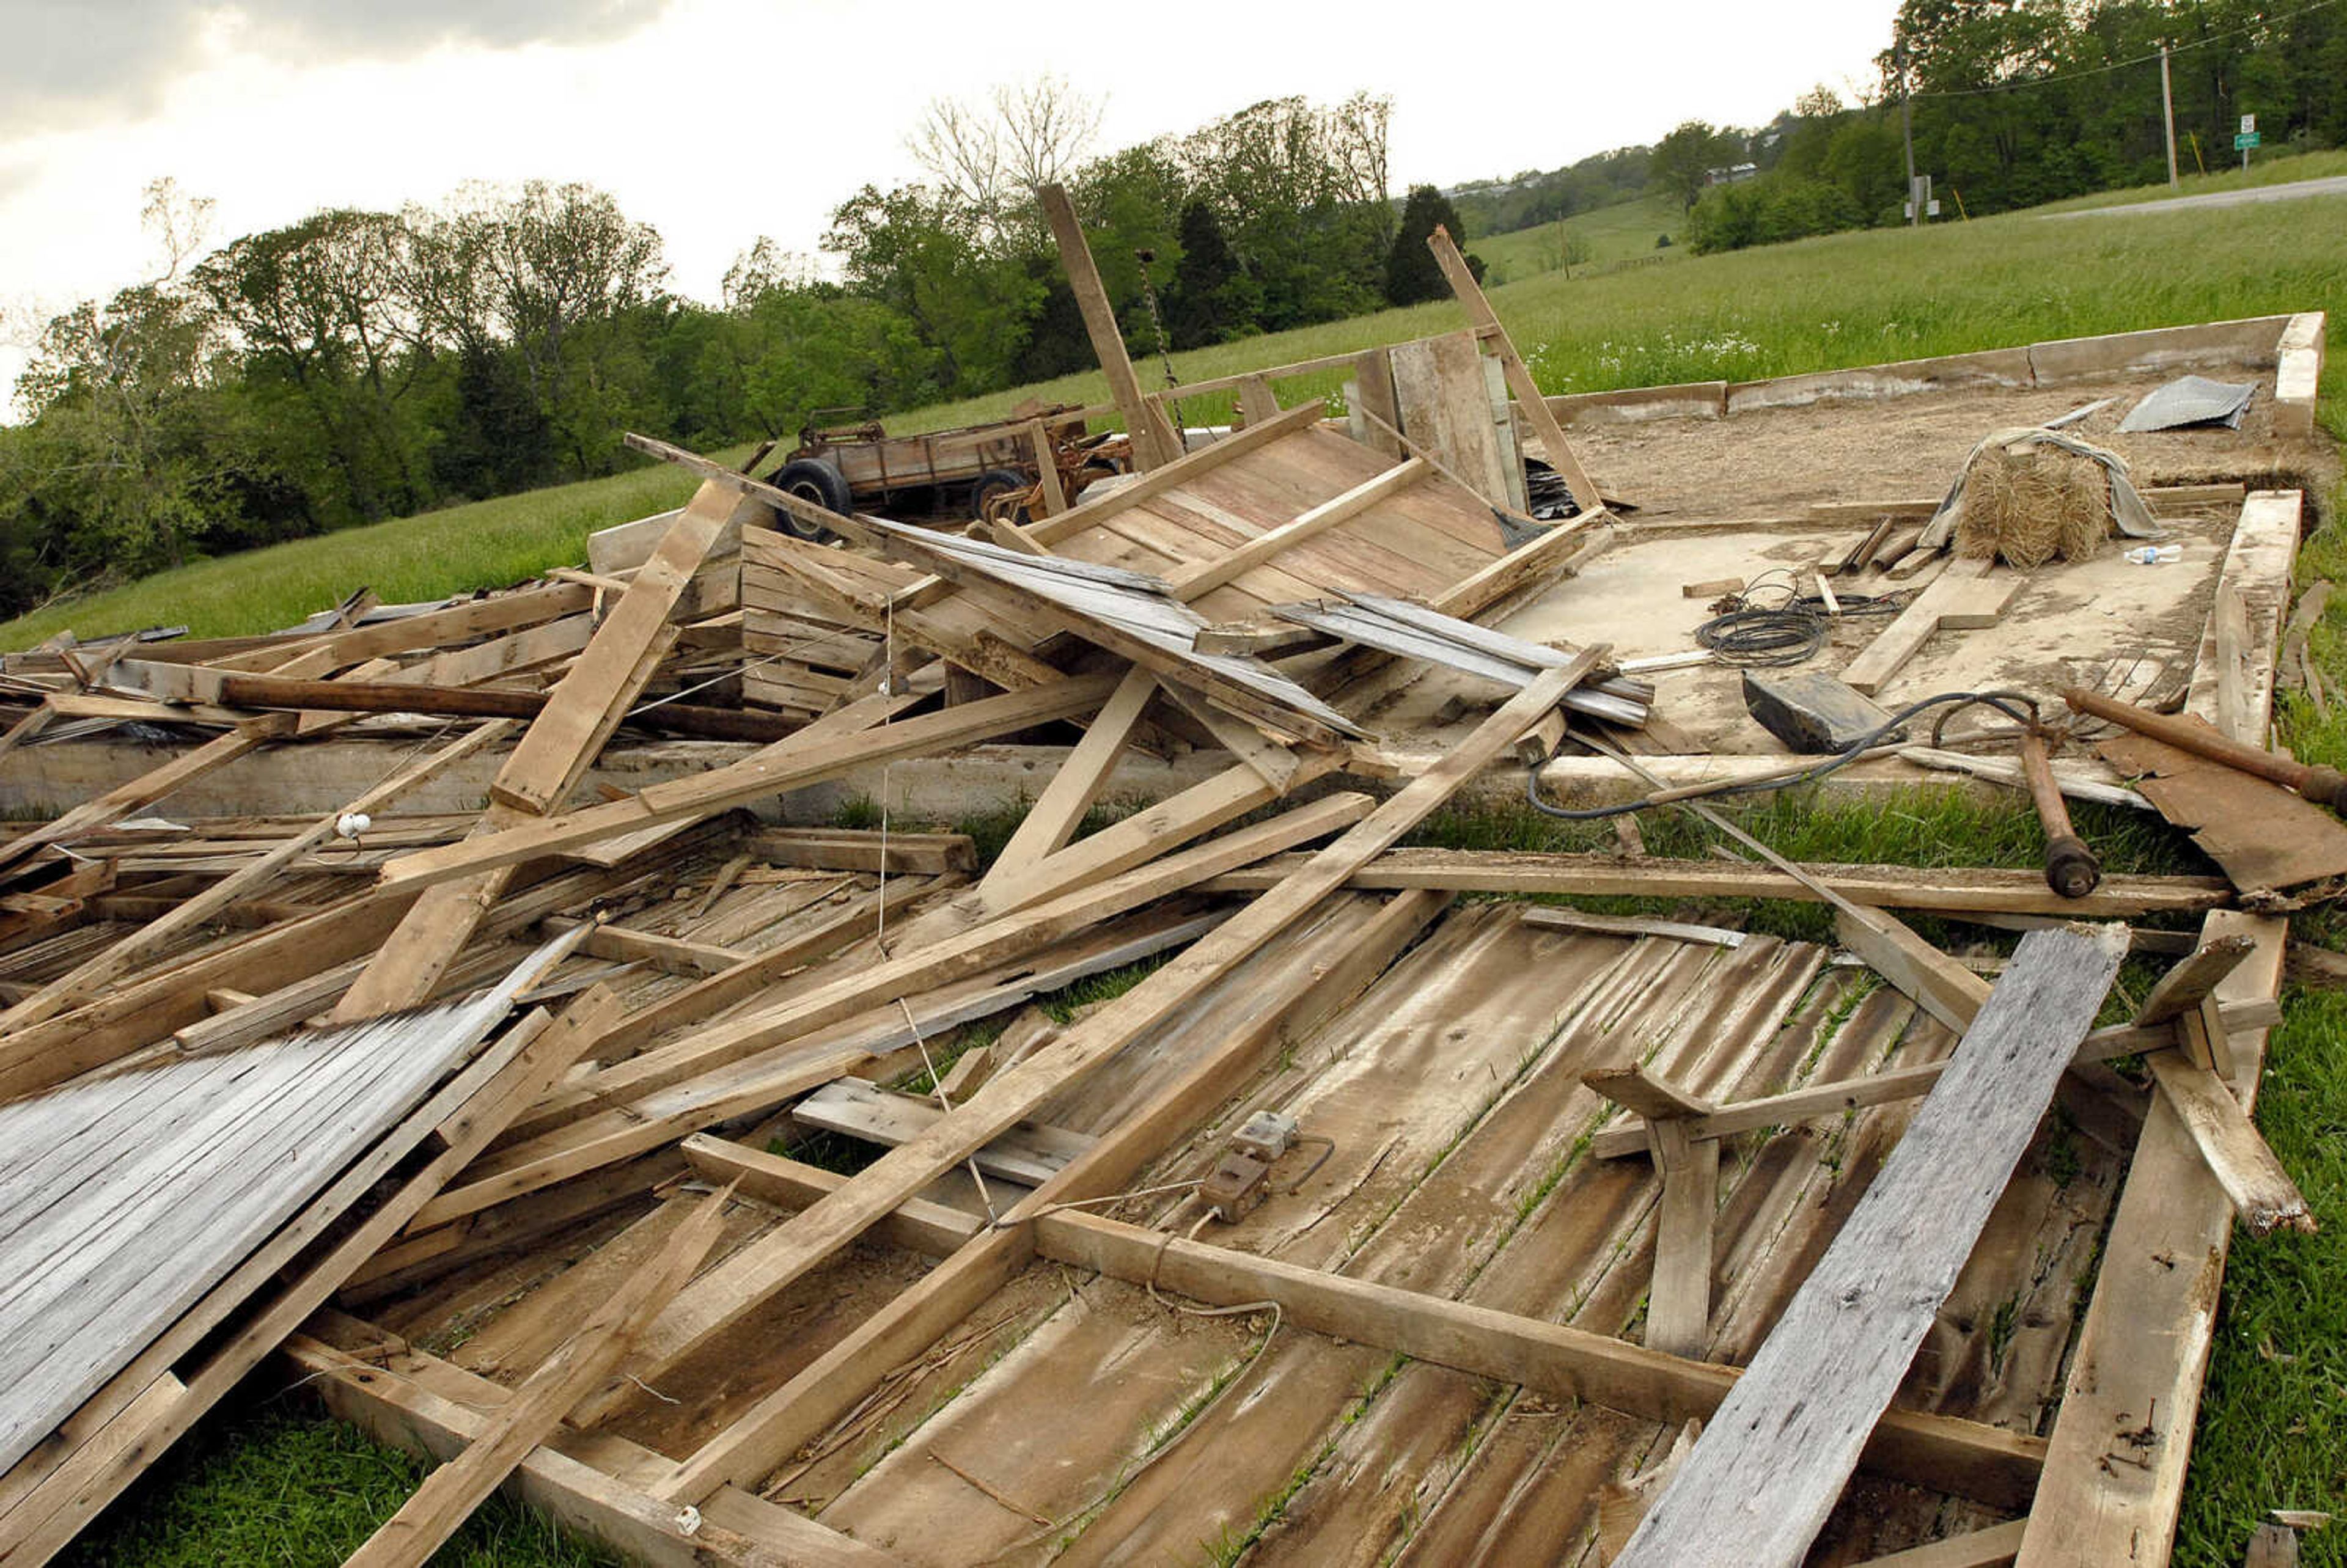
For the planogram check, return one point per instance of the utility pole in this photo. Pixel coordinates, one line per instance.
(1907, 132)
(2167, 113)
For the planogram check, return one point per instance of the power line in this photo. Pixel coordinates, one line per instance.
(2018, 85)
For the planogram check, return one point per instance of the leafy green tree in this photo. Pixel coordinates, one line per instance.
(1684, 160)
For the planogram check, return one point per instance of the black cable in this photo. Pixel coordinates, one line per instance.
(1790, 630)
(2014, 705)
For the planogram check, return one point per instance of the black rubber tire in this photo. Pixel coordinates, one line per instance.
(810, 481)
(993, 483)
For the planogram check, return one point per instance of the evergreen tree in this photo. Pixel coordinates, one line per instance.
(1412, 275)
(1209, 301)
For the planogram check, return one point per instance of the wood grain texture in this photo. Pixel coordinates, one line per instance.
(1769, 1466)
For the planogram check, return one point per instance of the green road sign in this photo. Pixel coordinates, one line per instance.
(2246, 140)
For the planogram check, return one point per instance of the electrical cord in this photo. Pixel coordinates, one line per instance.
(1775, 624)
(2018, 706)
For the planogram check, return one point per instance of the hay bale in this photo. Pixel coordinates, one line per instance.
(2030, 506)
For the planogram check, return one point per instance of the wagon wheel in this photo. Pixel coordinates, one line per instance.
(810, 481)
(991, 488)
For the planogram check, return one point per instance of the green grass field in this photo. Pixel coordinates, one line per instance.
(1818, 304)
(1615, 236)
(287, 1486)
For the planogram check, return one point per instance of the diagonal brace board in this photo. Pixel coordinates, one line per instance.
(769, 1265)
(1767, 1469)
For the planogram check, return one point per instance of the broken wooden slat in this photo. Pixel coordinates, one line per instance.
(1077, 782)
(1968, 595)
(2122, 1441)
(1774, 1457)
(449, 1494)
(770, 1264)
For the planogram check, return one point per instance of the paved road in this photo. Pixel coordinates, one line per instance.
(2336, 185)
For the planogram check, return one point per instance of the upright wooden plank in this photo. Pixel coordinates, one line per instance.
(2134, 1387)
(1529, 396)
(596, 692)
(1057, 813)
(1770, 1465)
(754, 1275)
(1678, 1304)
(1154, 443)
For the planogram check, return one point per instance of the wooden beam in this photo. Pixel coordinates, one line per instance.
(1770, 1464)
(1965, 596)
(1992, 1547)
(1955, 890)
(1918, 971)
(1287, 1002)
(1077, 782)
(448, 1496)
(2122, 1441)
(785, 765)
(1678, 1303)
(1898, 1084)
(1529, 396)
(125, 954)
(147, 788)
(1552, 1359)
(2244, 1166)
(1172, 476)
(734, 1530)
(1154, 444)
(1198, 580)
(770, 1264)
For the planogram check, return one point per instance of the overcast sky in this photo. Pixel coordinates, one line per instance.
(719, 120)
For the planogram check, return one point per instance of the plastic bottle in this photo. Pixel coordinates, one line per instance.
(2155, 555)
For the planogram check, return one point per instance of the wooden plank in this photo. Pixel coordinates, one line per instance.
(866, 849)
(1154, 444)
(2261, 1190)
(596, 692)
(1552, 1359)
(1965, 595)
(770, 1264)
(804, 759)
(1678, 1304)
(1288, 1002)
(122, 956)
(734, 1530)
(148, 787)
(1196, 581)
(1842, 1095)
(1955, 890)
(435, 629)
(1171, 476)
(2233, 677)
(449, 1494)
(1934, 981)
(2122, 1441)
(1030, 1153)
(1077, 782)
(1993, 1547)
(1771, 1462)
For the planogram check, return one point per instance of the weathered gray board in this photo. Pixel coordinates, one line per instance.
(124, 1198)
(1760, 1481)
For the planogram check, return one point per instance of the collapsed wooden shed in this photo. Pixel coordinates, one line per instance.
(1369, 1223)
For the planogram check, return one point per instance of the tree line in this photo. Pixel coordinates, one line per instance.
(358, 365)
(2018, 102)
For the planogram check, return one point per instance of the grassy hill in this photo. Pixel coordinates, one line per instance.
(1617, 236)
(1818, 304)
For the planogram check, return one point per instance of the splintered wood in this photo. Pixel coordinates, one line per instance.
(779, 1188)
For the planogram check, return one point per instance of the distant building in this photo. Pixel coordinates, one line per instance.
(1731, 174)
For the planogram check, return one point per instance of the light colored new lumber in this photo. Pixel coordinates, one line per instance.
(2116, 1457)
(1529, 396)
(605, 682)
(1275, 763)
(1198, 580)
(436, 629)
(2232, 680)
(785, 765)
(771, 1264)
(1060, 810)
(1953, 890)
(672, 955)
(194, 912)
(1288, 1003)
(449, 1494)
(1773, 1460)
